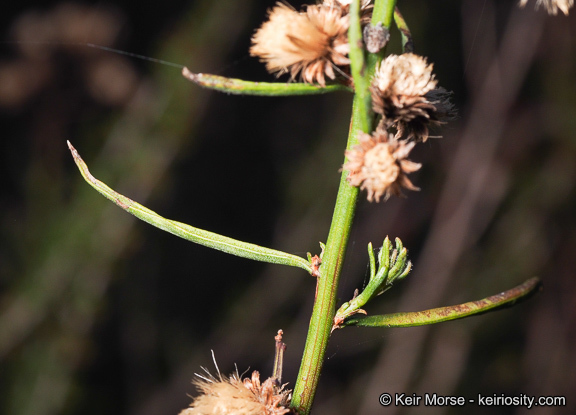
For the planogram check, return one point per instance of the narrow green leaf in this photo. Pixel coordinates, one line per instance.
(372, 261)
(384, 253)
(199, 236)
(438, 315)
(407, 42)
(398, 267)
(241, 87)
(406, 271)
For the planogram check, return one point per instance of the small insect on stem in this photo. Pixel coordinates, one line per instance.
(375, 37)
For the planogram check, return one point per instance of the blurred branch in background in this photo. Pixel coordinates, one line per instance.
(479, 182)
(72, 242)
(98, 315)
(473, 189)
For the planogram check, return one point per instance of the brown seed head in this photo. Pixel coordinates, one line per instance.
(232, 396)
(404, 92)
(310, 42)
(379, 165)
(406, 75)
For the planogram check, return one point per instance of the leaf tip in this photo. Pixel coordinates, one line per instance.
(186, 73)
(73, 150)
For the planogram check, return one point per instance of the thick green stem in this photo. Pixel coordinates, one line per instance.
(325, 304)
(383, 13)
(358, 69)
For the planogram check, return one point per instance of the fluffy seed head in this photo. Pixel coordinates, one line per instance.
(404, 91)
(406, 75)
(552, 6)
(310, 42)
(379, 165)
(232, 396)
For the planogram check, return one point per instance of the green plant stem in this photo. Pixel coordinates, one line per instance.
(327, 286)
(359, 69)
(383, 13)
(325, 302)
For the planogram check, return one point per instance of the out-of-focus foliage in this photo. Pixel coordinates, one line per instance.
(102, 314)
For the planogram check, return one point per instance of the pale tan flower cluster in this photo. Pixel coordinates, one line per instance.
(407, 99)
(552, 6)
(379, 165)
(312, 43)
(405, 93)
(233, 396)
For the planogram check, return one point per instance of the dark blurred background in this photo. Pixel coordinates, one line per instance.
(102, 314)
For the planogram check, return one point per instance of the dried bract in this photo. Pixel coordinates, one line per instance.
(404, 92)
(270, 394)
(312, 43)
(379, 165)
(552, 6)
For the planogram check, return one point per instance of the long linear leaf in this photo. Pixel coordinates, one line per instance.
(190, 233)
(438, 315)
(241, 87)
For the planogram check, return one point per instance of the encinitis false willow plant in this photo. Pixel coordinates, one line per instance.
(330, 46)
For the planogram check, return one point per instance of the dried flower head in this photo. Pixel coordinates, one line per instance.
(552, 6)
(404, 92)
(232, 396)
(311, 42)
(379, 165)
